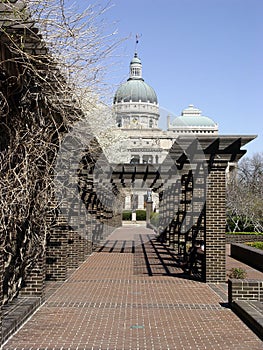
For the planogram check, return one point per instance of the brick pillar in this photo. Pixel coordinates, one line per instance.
(215, 226)
(56, 254)
(72, 249)
(34, 284)
(88, 234)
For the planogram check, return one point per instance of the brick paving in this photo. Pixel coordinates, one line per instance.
(130, 295)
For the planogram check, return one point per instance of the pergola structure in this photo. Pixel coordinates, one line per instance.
(191, 185)
(190, 182)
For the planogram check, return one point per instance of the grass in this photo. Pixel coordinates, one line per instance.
(258, 245)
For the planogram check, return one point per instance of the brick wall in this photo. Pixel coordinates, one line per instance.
(243, 238)
(245, 290)
(215, 226)
(248, 255)
(34, 284)
(79, 247)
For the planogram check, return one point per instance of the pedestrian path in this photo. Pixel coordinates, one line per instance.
(130, 295)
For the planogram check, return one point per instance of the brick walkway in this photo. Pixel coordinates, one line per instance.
(129, 295)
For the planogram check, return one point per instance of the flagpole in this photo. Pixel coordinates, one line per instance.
(137, 37)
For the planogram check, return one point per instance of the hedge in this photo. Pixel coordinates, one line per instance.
(127, 215)
(140, 215)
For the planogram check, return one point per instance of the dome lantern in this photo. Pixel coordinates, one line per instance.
(135, 68)
(135, 89)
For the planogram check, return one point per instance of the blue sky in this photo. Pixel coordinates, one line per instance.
(203, 52)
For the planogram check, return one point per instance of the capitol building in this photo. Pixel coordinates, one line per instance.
(136, 112)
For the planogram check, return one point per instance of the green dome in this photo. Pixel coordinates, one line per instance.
(193, 117)
(193, 121)
(135, 90)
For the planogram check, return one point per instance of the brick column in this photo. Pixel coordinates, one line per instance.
(72, 250)
(56, 254)
(215, 226)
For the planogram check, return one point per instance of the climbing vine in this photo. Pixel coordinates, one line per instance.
(45, 49)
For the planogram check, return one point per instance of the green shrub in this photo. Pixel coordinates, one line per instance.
(127, 215)
(237, 273)
(258, 245)
(140, 215)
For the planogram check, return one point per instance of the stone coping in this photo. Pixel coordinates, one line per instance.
(248, 255)
(251, 313)
(16, 313)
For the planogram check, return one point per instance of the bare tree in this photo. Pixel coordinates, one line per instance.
(245, 195)
(51, 57)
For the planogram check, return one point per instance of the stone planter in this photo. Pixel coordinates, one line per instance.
(248, 255)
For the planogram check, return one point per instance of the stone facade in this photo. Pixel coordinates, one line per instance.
(136, 111)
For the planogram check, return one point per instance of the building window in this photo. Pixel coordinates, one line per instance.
(135, 72)
(150, 123)
(135, 159)
(119, 122)
(147, 159)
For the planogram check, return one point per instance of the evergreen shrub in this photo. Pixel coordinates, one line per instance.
(126, 215)
(140, 215)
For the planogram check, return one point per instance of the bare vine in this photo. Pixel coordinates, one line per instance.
(51, 58)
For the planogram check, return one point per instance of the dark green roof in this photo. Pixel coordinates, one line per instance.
(193, 121)
(135, 90)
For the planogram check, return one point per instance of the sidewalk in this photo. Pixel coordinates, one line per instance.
(129, 295)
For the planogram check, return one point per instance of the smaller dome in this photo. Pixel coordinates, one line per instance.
(193, 121)
(192, 117)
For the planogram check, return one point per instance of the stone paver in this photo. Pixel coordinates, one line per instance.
(130, 295)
